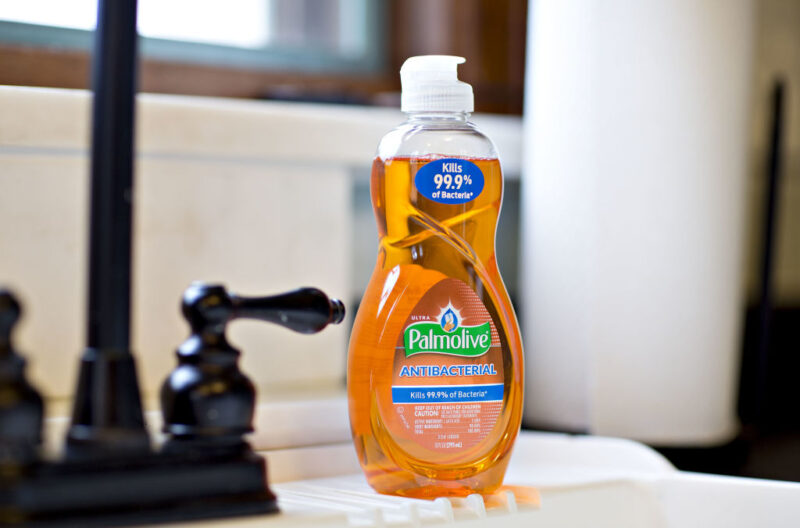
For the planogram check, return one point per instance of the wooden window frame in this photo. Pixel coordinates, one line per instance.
(490, 33)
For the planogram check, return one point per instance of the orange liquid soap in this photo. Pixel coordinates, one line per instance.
(435, 364)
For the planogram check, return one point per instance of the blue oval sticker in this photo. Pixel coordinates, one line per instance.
(449, 181)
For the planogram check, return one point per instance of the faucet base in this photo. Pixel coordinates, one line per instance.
(155, 488)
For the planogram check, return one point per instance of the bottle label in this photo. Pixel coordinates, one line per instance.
(447, 385)
(449, 181)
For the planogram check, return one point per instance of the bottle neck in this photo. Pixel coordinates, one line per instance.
(437, 117)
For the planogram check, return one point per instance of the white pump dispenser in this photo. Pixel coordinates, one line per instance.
(430, 84)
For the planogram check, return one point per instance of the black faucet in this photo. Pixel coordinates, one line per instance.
(111, 474)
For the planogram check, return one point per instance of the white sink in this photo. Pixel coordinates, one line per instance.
(583, 481)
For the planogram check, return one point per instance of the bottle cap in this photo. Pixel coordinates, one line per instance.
(430, 84)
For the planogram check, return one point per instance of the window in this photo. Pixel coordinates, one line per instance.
(338, 51)
(300, 35)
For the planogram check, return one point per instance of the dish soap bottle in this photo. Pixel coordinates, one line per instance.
(435, 368)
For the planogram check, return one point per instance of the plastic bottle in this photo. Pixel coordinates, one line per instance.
(435, 365)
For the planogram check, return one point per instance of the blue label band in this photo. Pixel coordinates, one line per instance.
(449, 181)
(448, 394)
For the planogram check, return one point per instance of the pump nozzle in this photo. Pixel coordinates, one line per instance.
(430, 84)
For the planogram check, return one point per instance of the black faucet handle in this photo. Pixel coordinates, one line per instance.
(207, 398)
(10, 311)
(21, 407)
(305, 310)
(209, 307)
